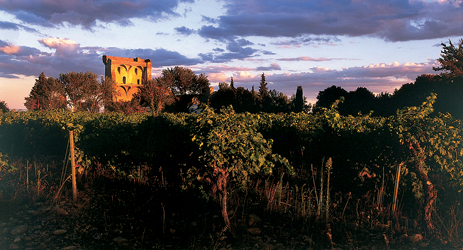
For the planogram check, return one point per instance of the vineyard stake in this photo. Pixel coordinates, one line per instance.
(73, 169)
(396, 188)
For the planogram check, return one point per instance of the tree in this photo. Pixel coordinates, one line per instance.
(83, 91)
(183, 81)
(46, 94)
(299, 101)
(108, 92)
(155, 95)
(328, 96)
(223, 97)
(3, 107)
(185, 85)
(278, 102)
(264, 95)
(451, 59)
(263, 89)
(359, 101)
(232, 83)
(447, 88)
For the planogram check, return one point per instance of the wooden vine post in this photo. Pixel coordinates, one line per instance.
(73, 164)
(396, 188)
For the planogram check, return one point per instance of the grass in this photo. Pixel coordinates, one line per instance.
(295, 212)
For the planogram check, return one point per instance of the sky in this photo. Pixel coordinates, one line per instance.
(377, 44)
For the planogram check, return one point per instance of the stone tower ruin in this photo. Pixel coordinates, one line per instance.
(127, 73)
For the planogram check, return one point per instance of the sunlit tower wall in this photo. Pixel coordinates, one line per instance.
(127, 73)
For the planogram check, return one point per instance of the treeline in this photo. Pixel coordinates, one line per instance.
(178, 89)
(449, 91)
(263, 100)
(448, 85)
(73, 91)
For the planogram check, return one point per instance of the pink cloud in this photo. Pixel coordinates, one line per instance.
(217, 77)
(10, 49)
(306, 58)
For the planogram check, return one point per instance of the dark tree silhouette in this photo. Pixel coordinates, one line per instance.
(46, 94)
(3, 107)
(451, 59)
(359, 101)
(299, 101)
(232, 83)
(326, 97)
(263, 89)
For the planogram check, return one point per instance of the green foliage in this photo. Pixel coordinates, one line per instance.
(5, 163)
(231, 142)
(111, 138)
(438, 139)
(32, 133)
(251, 146)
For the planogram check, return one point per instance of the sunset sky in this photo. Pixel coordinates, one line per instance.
(377, 44)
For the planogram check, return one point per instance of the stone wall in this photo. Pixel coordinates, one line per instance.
(128, 73)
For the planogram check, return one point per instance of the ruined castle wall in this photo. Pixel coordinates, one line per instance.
(128, 73)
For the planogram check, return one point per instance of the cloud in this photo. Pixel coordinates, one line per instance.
(14, 26)
(236, 48)
(9, 26)
(62, 46)
(49, 13)
(273, 66)
(10, 49)
(217, 77)
(159, 57)
(389, 20)
(306, 40)
(68, 56)
(225, 68)
(16, 60)
(208, 19)
(184, 31)
(305, 58)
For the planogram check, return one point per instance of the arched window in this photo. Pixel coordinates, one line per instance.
(124, 80)
(119, 70)
(138, 81)
(136, 71)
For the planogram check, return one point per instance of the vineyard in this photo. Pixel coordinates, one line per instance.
(223, 180)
